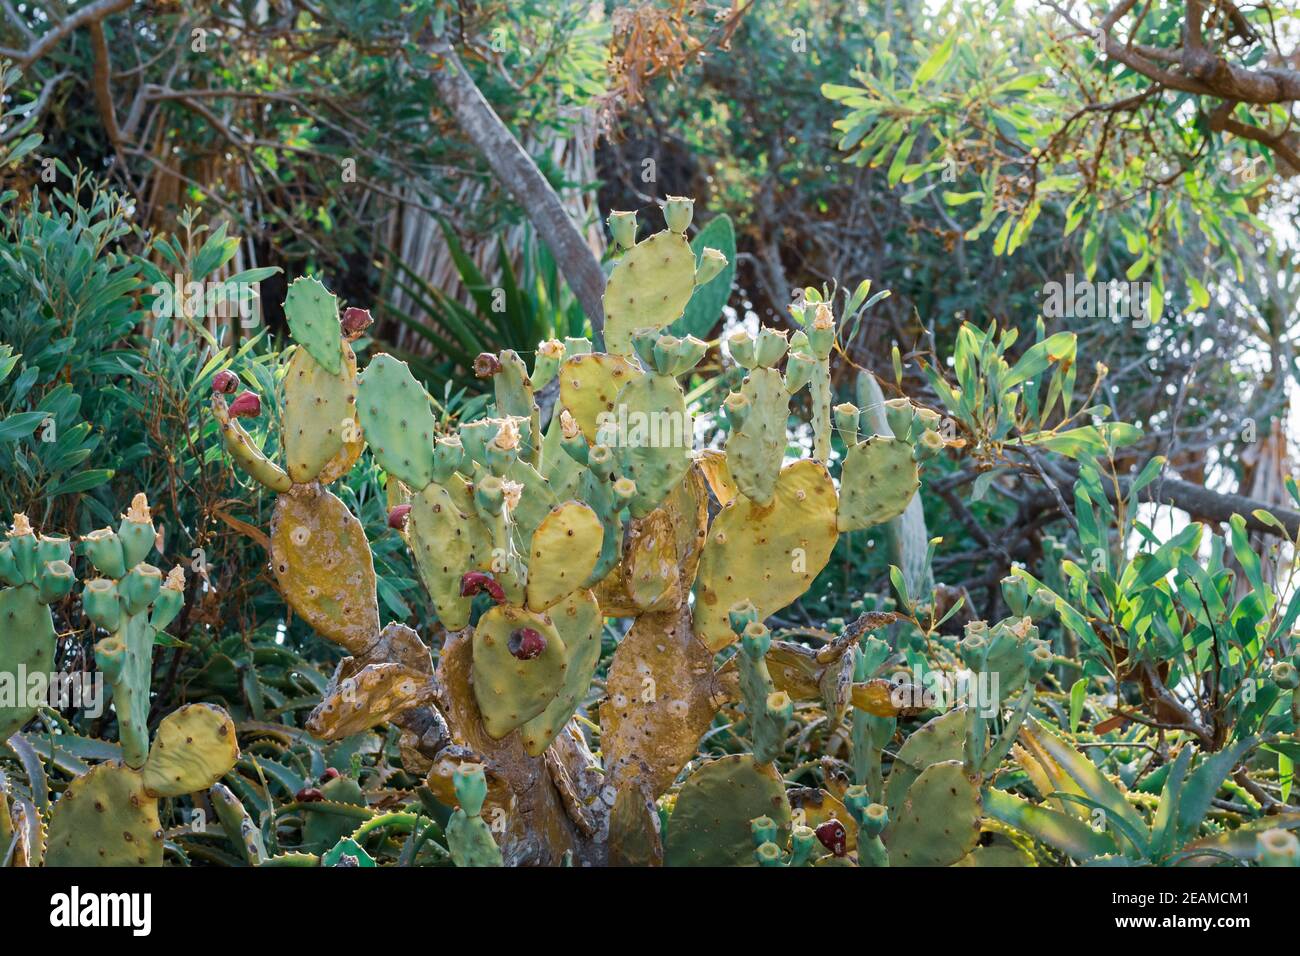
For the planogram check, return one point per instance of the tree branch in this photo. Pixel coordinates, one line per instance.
(515, 169)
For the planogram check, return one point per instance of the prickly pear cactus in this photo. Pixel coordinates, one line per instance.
(529, 536)
(133, 603)
(36, 574)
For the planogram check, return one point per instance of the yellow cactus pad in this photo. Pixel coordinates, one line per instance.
(319, 412)
(589, 385)
(193, 749)
(105, 818)
(322, 564)
(565, 549)
(768, 555)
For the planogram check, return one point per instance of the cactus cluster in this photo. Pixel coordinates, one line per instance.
(108, 814)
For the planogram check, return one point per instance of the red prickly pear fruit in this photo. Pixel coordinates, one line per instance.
(225, 382)
(397, 516)
(486, 365)
(355, 321)
(329, 774)
(309, 795)
(526, 644)
(473, 582)
(834, 837)
(246, 405)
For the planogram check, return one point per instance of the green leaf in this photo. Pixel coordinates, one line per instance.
(1077, 694)
(936, 61)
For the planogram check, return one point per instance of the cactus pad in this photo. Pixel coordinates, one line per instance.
(313, 316)
(565, 549)
(27, 645)
(756, 445)
(654, 447)
(878, 481)
(397, 420)
(322, 564)
(710, 825)
(578, 621)
(936, 741)
(649, 288)
(105, 818)
(447, 538)
(768, 555)
(590, 385)
(319, 411)
(193, 749)
(510, 691)
(939, 822)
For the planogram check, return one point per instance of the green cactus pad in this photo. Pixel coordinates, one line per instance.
(565, 549)
(447, 539)
(939, 822)
(756, 448)
(590, 385)
(511, 692)
(578, 621)
(941, 739)
(878, 481)
(27, 643)
(710, 825)
(649, 288)
(397, 420)
(105, 818)
(313, 315)
(321, 561)
(654, 446)
(768, 555)
(193, 748)
(319, 410)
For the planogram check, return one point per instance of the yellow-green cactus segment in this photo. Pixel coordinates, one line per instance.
(589, 387)
(513, 391)
(313, 316)
(536, 499)
(511, 691)
(757, 442)
(322, 564)
(319, 413)
(193, 748)
(565, 549)
(710, 824)
(246, 454)
(649, 288)
(652, 435)
(27, 643)
(578, 621)
(939, 822)
(878, 481)
(938, 740)
(105, 818)
(447, 539)
(397, 420)
(768, 555)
